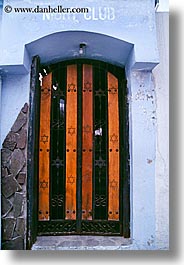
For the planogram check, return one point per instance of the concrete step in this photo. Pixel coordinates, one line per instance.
(81, 243)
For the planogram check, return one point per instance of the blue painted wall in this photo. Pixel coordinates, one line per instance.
(132, 21)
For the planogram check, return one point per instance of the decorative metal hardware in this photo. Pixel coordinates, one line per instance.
(100, 93)
(57, 200)
(100, 201)
(58, 125)
(58, 162)
(100, 162)
(56, 227)
(101, 227)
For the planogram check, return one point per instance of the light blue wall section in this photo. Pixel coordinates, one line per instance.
(132, 21)
(161, 74)
(14, 95)
(143, 127)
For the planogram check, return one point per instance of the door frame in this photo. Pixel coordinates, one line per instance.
(32, 162)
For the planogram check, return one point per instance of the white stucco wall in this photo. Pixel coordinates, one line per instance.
(161, 74)
(143, 129)
(163, 6)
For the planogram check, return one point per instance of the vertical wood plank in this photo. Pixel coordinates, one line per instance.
(44, 147)
(71, 142)
(87, 142)
(113, 143)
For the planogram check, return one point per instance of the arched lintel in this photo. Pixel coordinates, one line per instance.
(65, 45)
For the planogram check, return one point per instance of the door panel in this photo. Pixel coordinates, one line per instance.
(58, 141)
(79, 183)
(113, 140)
(44, 148)
(87, 142)
(100, 145)
(71, 142)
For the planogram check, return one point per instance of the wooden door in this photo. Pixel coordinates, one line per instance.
(81, 152)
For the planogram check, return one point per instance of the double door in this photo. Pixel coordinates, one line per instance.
(80, 167)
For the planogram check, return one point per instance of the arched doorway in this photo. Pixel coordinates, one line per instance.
(82, 149)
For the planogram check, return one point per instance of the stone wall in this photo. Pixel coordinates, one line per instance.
(14, 172)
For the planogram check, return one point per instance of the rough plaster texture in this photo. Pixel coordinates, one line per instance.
(142, 126)
(161, 74)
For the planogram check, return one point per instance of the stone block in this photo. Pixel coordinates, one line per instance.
(4, 172)
(5, 157)
(8, 228)
(6, 206)
(20, 227)
(18, 204)
(10, 186)
(15, 234)
(10, 141)
(20, 122)
(25, 108)
(70, 244)
(21, 139)
(21, 178)
(92, 242)
(14, 244)
(17, 162)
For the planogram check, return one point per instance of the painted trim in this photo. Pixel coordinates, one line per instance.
(32, 154)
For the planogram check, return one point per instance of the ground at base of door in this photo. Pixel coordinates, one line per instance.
(81, 243)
